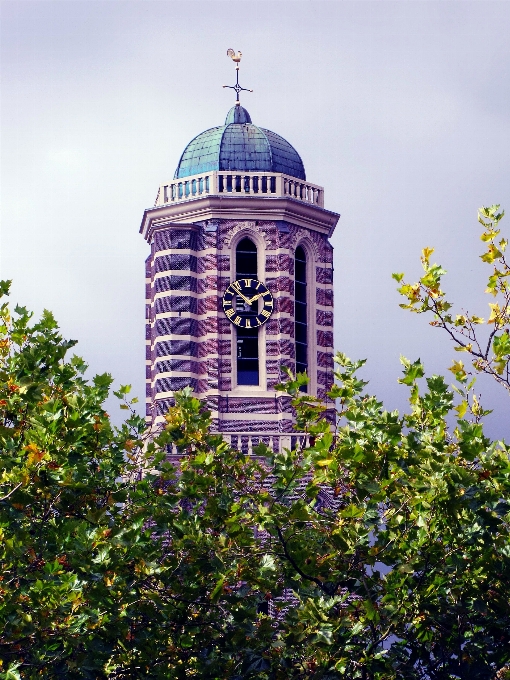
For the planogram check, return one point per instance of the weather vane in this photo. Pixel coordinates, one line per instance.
(237, 58)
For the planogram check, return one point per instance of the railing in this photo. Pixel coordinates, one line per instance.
(247, 441)
(240, 184)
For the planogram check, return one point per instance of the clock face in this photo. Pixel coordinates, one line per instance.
(248, 303)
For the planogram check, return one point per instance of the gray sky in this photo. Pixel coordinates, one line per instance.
(399, 109)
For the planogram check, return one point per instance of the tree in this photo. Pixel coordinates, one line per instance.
(109, 566)
(380, 550)
(490, 354)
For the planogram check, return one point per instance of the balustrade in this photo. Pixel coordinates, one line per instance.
(247, 441)
(244, 184)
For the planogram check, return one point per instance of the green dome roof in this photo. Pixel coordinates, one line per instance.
(240, 146)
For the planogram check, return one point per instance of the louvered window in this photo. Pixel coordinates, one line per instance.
(247, 338)
(301, 312)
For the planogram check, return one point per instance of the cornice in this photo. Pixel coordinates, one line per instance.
(183, 214)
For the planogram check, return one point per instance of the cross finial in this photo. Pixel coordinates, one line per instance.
(236, 58)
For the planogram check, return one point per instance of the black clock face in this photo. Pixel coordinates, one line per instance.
(248, 303)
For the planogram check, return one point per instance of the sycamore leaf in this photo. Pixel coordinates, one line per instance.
(218, 589)
(501, 344)
(463, 348)
(492, 254)
(462, 408)
(412, 371)
(425, 255)
(457, 368)
(325, 462)
(495, 312)
(489, 234)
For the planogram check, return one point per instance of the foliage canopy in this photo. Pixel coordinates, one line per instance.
(380, 550)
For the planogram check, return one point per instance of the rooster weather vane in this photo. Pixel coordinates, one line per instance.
(236, 58)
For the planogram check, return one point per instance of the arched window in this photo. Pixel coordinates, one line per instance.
(246, 259)
(300, 311)
(247, 338)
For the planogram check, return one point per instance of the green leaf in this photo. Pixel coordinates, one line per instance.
(218, 589)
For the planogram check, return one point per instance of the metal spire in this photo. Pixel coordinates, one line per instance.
(236, 58)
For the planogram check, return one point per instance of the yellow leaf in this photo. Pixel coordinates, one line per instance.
(426, 253)
(462, 408)
(491, 254)
(34, 454)
(495, 312)
(456, 367)
(465, 348)
(489, 234)
(325, 462)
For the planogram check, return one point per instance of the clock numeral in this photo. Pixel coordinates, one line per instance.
(227, 303)
(236, 286)
(237, 321)
(248, 282)
(230, 313)
(247, 324)
(258, 285)
(265, 313)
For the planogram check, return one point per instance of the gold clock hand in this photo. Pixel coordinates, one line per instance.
(238, 292)
(244, 298)
(256, 297)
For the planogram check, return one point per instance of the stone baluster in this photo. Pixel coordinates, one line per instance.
(279, 184)
(285, 442)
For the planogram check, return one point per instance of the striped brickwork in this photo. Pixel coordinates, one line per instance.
(191, 342)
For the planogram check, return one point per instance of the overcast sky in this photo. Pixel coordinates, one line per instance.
(399, 109)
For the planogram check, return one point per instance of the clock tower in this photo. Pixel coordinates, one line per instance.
(239, 281)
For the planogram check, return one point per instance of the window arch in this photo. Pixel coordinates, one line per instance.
(247, 349)
(300, 311)
(246, 259)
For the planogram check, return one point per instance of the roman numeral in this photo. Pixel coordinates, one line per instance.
(265, 313)
(230, 313)
(237, 321)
